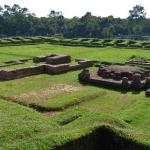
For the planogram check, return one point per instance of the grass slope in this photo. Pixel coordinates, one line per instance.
(33, 131)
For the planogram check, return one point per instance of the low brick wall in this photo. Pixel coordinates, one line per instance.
(138, 62)
(86, 63)
(51, 69)
(147, 93)
(81, 65)
(46, 68)
(38, 59)
(11, 63)
(60, 59)
(124, 83)
(75, 67)
(104, 83)
(23, 72)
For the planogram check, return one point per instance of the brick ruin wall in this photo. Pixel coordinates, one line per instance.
(51, 69)
(39, 59)
(124, 83)
(59, 59)
(105, 83)
(46, 68)
(23, 72)
(147, 93)
(81, 65)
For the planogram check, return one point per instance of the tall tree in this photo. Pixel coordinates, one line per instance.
(138, 12)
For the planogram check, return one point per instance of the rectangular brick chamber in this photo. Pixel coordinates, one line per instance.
(39, 59)
(59, 59)
(56, 69)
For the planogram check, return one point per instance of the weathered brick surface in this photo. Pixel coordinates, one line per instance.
(136, 83)
(59, 59)
(86, 63)
(55, 64)
(80, 66)
(38, 59)
(84, 75)
(125, 83)
(54, 69)
(23, 72)
(147, 93)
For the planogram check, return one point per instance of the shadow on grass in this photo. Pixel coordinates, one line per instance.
(123, 91)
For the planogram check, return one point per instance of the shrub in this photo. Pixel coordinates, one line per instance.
(147, 46)
(131, 42)
(118, 41)
(4, 41)
(136, 45)
(84, 39)
(145, 43)
(95, 40)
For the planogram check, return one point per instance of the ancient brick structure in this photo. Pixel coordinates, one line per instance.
(23, 72)
(58, 59)
(84, 75)
(116, 77)
(56, 69)
(39, 59)
(56, 64)
(11, 63)
(147, 93)
(117, 72)
(125, 83)
(85, 63)
(136, 82)
(147, 83)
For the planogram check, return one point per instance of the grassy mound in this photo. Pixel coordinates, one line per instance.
(32, 130)
(87, 42)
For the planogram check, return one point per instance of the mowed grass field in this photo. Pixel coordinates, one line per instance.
(59, 92)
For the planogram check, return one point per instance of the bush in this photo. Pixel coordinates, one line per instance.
(14, 41)
(4, 41)
(84, 39)
(129, 42)
(145, 43)
(118, 41)
(106, 40)
(95, 40)
(147, 46)
(136, 45)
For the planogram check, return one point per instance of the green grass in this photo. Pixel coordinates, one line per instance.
(31, 130)
(106, 106)
(102, 54)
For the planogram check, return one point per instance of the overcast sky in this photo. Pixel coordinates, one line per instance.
(70, 8)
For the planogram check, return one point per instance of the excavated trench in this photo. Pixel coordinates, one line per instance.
(102, 139)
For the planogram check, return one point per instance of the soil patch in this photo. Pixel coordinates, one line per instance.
(45, 93)
(50, 113)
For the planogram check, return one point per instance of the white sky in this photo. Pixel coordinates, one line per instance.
(70, 8)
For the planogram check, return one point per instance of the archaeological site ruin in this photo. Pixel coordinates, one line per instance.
(118, 76)
(51, 64)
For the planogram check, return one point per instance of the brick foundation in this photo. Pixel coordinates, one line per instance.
(59, 59)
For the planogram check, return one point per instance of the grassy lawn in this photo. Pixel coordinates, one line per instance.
(102, 54)
(126, 112)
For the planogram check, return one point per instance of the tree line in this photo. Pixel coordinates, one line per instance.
(17, 21)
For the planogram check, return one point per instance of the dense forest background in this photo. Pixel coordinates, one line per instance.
(17, 21)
